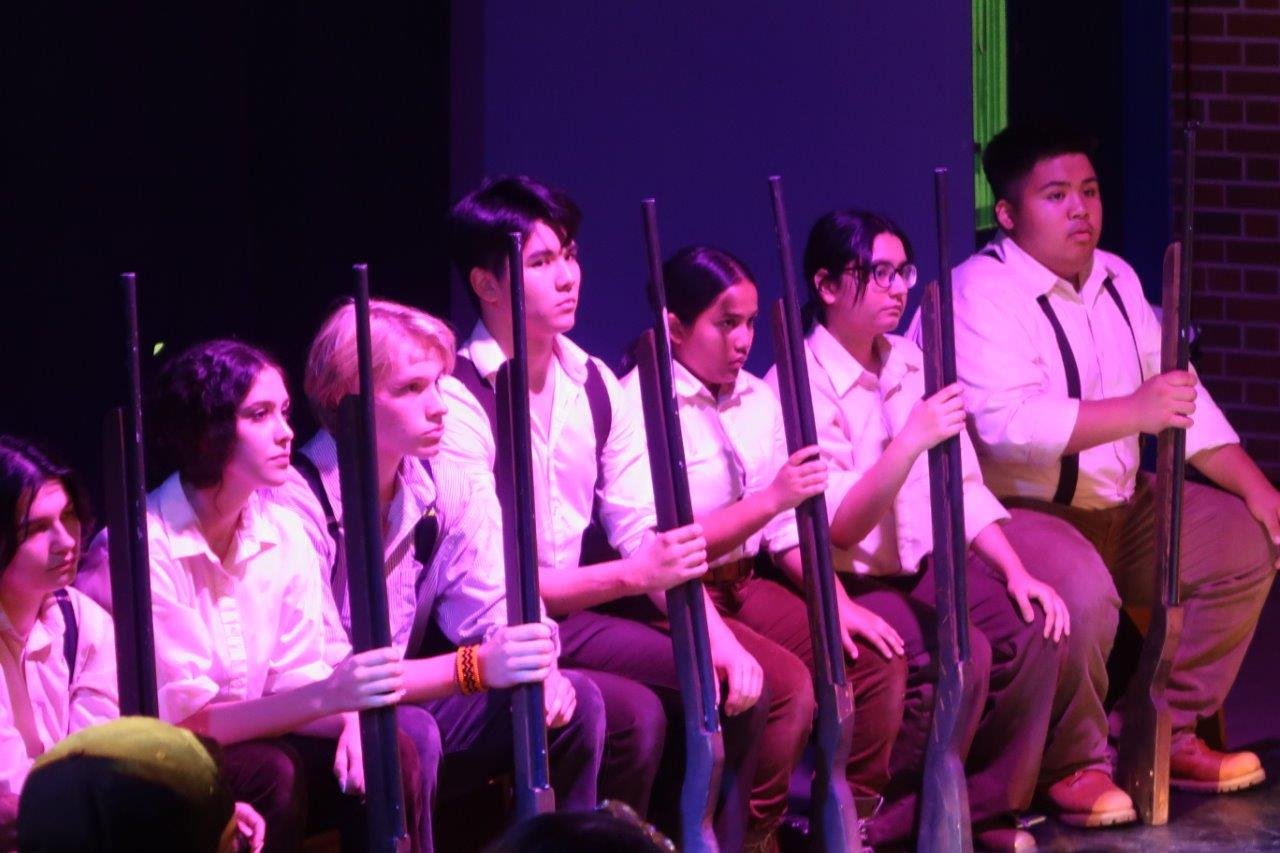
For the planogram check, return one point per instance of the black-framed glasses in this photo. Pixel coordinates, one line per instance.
(881, 274)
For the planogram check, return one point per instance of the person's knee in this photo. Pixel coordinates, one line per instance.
(791, 697)
(281, 781)
(587, 726)
(423, 732)
(979, 654)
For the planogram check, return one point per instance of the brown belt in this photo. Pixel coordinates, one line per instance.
(730, 572)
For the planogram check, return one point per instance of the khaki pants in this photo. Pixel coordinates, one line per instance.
(1097, 559)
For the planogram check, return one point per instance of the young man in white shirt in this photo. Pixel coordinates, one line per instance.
(1060, 355)
(590, 462)
(442, 537)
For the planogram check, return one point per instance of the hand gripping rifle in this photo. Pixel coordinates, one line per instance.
(704, 744)
(944, 810)
(514, 479)
(834, 819)
(366, 579)
(126, 500)
(1143, 766)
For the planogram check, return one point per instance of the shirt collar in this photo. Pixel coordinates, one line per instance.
(844, 370)
(1039, 279)
(690, 387)
(40, 637)
(486, 354)
(187, 540)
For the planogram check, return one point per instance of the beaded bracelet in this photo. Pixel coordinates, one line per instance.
(467, 670)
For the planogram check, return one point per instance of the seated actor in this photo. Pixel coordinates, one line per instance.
(444, 567)
(1060, 356)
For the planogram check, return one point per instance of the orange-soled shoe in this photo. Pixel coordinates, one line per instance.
(1089, 799)
(1193, 766)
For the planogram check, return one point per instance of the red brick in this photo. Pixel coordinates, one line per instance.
(1252, 25)
(1210, 363)
(1254, 141)
(1220, 279)
(1251, 82)
(1220, 335)
(1262, 169)
(1252, 364)
(1262, 112)
(1266, 227)
(1213, 195)
(1197, 110)
(1226, 168)
(1265, 338)
(1259, 252)
(1262, 394)
(1210, 139)
(1262, 281)
(1254, 197)
(1202, 23)
(1209, 250)
(1252, 309)
(1251, 420)
(1226, 392)
(1266, 53)
(1223, 111)
(1206, 307)
(1225, 224)
(1262, 4)
(1204, 52)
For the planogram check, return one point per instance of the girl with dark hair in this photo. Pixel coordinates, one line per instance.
(873, 431)
(744, 488)
(57, 650)
(240, 606)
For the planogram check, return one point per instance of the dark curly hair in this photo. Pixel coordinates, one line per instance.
(24, 468)
(193, 409)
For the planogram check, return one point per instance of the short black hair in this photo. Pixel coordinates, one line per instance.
(1014, 152)
(193, 411)
(480, 222)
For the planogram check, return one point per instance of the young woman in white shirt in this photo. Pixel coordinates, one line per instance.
(238, 603)
(874, 429)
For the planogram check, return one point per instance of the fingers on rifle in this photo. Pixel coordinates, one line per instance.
(525, 632)
(804, 454)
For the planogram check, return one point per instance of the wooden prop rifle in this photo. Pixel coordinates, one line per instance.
(366, 579)
(126, 504)
(833, 822)
(1143, 766)
(514, 469)
(944, 810)
(704, 743)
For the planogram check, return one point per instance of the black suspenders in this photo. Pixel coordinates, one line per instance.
(1069, 475)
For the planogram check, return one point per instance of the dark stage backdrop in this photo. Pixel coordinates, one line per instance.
(854, 103)
(239, 156)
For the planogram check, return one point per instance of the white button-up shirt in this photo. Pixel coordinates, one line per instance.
(564, 470)
(733, 447)
(463, 586)
(40, 704)
(857, 414)
(1016, 389)
(249, 627)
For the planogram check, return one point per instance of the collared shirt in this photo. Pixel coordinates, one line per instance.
(857, 414)
(564, 470)
(40, 705)
(243, 628)
(734, 445)
(1016, 389)
(464, 585)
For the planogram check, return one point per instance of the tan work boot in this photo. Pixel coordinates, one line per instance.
(1193, 766)
(1089, 799)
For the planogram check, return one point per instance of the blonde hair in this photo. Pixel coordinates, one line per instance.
(332, 369)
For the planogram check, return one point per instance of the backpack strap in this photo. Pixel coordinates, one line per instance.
(70, 631)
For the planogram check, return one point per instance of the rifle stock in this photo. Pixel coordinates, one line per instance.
(1143, 765)
(704, 743)
(126, 504)
(944, 811)
(533, 792)
(833, 818)
(366, 585)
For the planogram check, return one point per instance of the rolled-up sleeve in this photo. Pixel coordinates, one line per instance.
(626, 499)
(184, 644)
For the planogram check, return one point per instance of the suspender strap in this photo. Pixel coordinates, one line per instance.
(70, 631)
(307, 468)
(425, 637)
(1110, 287)
(1069, 474)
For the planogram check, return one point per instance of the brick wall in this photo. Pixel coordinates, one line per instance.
(1235, 94)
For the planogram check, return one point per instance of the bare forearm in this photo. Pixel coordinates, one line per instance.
(872, 496)
(430, 678)
(1232, 469)
(728, 527)
(269, 716)
(993, 546)
(570, 590)
(1102, 422)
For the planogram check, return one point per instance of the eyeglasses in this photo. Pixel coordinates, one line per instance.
(882, 274)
